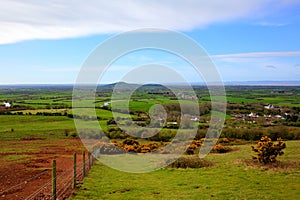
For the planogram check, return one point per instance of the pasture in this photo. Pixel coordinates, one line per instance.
(233, 176)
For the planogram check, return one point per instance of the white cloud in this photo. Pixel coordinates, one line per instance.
(271, 24)
(53, 19)
(271, 66)
(258, 55)
(258, 66)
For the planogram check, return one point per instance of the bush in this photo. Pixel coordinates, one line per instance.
(267, 151)
(115, 133)
(111, 122)
(130, 141)
(190, 162)
(74, 134)
(191, 150)
(164, 136)
(223, 140)
(132, 145)
(221, 149)
(278, 132)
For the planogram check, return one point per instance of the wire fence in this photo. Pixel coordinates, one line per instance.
(21, 184)
(61, 184)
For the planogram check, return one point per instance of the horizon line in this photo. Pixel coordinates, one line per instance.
(226, 83)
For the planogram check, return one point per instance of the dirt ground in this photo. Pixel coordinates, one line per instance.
(26, 167)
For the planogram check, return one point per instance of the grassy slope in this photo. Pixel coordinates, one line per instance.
(229, 179)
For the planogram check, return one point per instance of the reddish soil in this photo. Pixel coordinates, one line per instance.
(25, 173)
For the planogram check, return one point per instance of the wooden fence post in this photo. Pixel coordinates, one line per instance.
(89, 155)
(54, 180)
(74, 167)
(92, 160)
(83, 158)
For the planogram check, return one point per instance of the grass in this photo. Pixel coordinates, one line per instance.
(28, 147)
(34, 112)
(230, 178)
(16, 157)
(25, 126)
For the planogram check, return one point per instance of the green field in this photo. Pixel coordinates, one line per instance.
(26, 127)
(42, 116)
(230, 178)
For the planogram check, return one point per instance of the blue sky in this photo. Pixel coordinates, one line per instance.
(47, 42)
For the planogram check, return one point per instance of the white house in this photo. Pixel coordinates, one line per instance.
(270, 106)
(6, 105)
(171, 123)
(195, 119)
(253, 115)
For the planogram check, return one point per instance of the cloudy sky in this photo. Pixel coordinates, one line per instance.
(47, 41)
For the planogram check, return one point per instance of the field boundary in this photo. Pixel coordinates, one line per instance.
(62, 183)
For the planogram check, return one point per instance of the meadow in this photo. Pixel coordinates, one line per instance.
(232, 177)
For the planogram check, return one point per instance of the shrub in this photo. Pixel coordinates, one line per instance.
(191, 150)
(129, 148)
(164, 136)
(67, 133)
(278, 132)
(114, 132)
(130, 141)
(190, 162)
(111, 122)
(221, 149)
(267, 151)
(132, 145)
(144, 149)
(223, 140)
(74, 134)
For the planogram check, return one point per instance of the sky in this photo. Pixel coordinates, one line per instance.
(48, 41)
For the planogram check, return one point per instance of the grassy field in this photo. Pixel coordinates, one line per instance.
(230, 178)
(27, 129)
(27, 126)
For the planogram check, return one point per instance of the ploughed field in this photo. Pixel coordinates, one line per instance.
(26, 165)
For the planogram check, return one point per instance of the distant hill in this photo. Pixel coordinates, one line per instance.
(129, 86)
(123, 85)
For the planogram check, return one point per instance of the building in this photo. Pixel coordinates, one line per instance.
(6, 105)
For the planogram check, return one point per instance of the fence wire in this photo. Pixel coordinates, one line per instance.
(64, 182)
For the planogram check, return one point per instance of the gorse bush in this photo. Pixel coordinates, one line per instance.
(221, 149)
(130, 141)
(267, 151)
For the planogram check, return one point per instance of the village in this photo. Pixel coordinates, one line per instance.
(270, 116)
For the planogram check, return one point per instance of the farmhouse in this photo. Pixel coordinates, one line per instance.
(269, 107)
(171, 123)
(6, 105)
(253, 115)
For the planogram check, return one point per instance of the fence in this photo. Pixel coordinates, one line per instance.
(61, 184)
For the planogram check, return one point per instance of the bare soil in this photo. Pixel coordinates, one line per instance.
(26, 167)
